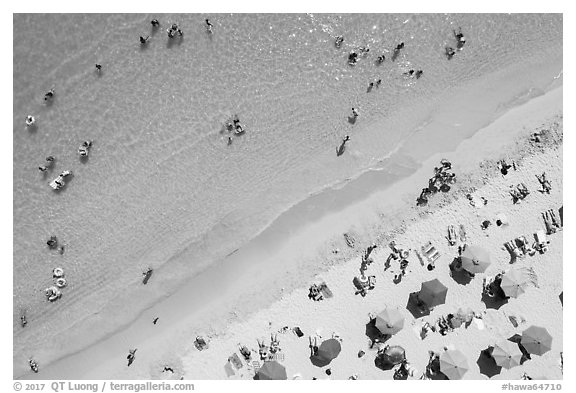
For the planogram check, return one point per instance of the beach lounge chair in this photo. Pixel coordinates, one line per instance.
(451, 235)
(513, 249)
(554, 219)
(371, 282)
(550, 228)
(541, 244)
(326, 292)
(350, 240)
(462, 233)
(430, 253)
(229, 369)
(235, 360)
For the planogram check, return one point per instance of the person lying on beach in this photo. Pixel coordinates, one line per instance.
(166, 368)
(419, 74)
(245, 352)
(131, 356)
(409, 73)
(155, 320)
(143, 40)
(460, 38)
(274, 343)
(262, 349)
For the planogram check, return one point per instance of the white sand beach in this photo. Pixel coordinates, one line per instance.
(287, 260)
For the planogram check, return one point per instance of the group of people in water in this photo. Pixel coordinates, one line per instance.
(362, 52)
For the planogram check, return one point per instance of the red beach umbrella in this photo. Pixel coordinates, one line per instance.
(453, 364)
(536, 340)
(475, 259)
(390, 321)
(329, 349)
(272, 370)
(506, 354)
(433, 293)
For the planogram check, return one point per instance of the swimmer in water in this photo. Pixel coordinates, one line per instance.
(460, 37)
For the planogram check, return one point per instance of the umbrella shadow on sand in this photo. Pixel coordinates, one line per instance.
(319, 361)
(374, 333)
(517, 338)
(486, 363)
(459, 275)
(415, 306)
(493, 302)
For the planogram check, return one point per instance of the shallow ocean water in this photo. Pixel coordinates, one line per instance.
(161, 188)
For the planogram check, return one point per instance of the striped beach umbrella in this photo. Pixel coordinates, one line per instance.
(453, 364)
(506, 354)
(272, 370)
(513, 283)
(390, 321)
(433, 293)
(536, 340)
(475, 259)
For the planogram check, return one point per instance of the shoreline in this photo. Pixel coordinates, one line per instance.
(97, 308)
(202, 294)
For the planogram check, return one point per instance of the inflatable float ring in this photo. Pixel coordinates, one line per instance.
(58, 272)
(61, 282)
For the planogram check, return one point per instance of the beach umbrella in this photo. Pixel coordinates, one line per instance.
(395, 354)
(432, 293)
(536, 340)
(506, 354)
(272, 370)
(475, 259)
(329, 349)
(453, 364)
(390, 321)
(513, 283)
